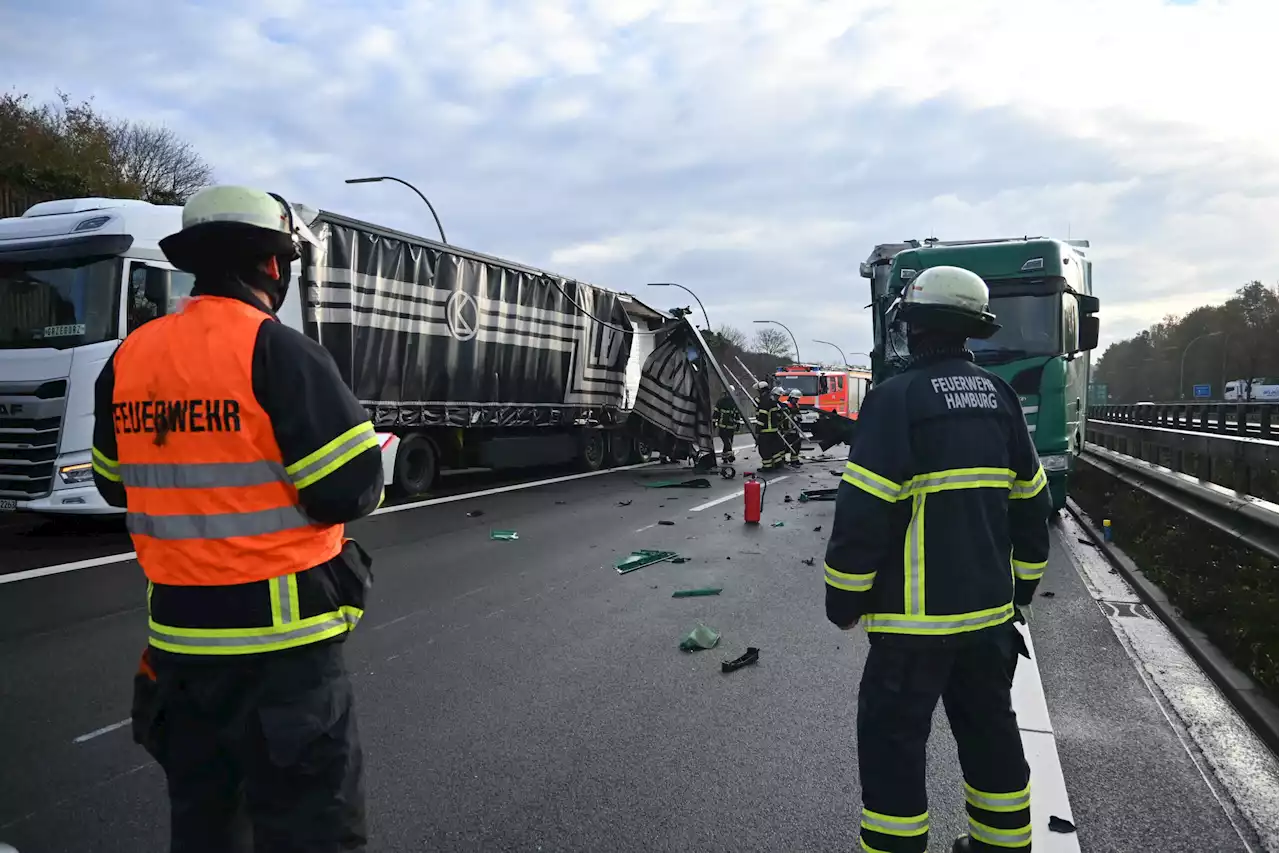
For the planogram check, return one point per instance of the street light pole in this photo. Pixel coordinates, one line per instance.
(410, 186)
(789, 332)
(688, 291)
(1182, 369)
(844, 358)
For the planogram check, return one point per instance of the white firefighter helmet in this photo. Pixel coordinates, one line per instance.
(231, 224)
(948, 299)
(762, 386)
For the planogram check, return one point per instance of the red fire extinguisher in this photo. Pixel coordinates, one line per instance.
(752, 499)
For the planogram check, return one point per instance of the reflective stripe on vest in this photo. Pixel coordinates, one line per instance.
(210, 499)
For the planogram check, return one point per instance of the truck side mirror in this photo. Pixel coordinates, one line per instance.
(155, 286)
(1090, 326)
(1089, 304)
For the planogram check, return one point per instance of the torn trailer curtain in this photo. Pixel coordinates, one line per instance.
(672, 411)
(831, 429)
(428, 335)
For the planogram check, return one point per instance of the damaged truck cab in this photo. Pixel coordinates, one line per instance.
(1042, 296)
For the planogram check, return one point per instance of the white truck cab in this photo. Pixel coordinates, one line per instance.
(76, 277)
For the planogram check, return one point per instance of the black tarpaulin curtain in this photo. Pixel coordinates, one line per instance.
(673, 405)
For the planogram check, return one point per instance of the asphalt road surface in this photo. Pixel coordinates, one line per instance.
(524, 696)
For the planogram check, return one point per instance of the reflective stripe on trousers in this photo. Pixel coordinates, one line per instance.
(883, 833)
(999, 820)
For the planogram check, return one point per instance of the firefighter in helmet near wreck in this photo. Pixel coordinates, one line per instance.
(942, 472)
(771, 421)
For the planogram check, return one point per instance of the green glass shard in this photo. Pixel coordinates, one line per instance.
(640, 559)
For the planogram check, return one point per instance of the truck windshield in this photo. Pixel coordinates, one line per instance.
(59, 307)
(804, 386)
(1030, 326)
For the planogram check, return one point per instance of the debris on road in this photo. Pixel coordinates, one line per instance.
(818, 495)
(667, 523)
(700, 637)
(695, 593)
(752, 655)
(808, 561)
(728, 517)
(1057, 824)
(475, 513)
(818, 529)
(786, 499)
(696, 483)
(641, 558)
(624, 503)
(1088, 542)
(776, 524)
(680, 559)
(504, 535)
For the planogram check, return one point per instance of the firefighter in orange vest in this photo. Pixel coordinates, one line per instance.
(239, 454)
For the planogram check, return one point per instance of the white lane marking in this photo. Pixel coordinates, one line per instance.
(1244, 769)
(1048, 786)
(60, 568)
(27, 575)
(732, 495)
(102, 731)
(647, 527)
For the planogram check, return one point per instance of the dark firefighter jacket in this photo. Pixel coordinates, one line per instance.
(296, 384)
(941, 520)
(726, 414)
(769, 414)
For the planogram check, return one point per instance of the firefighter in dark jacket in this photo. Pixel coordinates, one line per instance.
(791, 433)
(727, 419)
(769, 423)
(939, 540)
(239, 454)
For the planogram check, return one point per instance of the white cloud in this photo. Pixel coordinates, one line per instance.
(753, 150)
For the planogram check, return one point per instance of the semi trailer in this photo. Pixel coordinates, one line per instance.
(462, 359)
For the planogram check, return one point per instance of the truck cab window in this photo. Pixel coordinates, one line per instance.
(1070, 322)
(155, 291)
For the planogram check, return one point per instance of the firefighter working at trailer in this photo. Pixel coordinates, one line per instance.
(727, 419)
(239, 454)
(769, 421)
(939, 540)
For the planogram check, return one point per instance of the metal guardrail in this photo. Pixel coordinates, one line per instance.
(1252, 420)
(1247, 519)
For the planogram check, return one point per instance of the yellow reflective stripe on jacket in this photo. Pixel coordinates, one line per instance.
(323, 462)
(847, 581)
(958, 478)
(241, 641)
(913, 559)
(871, 482)
(1025, 571)
(1023, 489)
(938, 624)
(106, 467)
(902, 827)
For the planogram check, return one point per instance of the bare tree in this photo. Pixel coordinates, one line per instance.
(774, 342)
(732, 336)
(164, 167)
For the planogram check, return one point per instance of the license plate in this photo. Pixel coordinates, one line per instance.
(8, 504)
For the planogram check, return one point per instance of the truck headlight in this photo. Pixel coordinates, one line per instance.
(75, 475)
(1055, 462)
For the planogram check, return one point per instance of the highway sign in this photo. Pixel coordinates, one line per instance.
(1097, 393)
(1201, 392)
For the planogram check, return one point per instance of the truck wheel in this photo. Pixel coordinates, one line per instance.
(640, 452)
(417, 465)
(620, 450)
(594, 448)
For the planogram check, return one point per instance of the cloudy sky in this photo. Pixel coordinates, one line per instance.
(753, 150)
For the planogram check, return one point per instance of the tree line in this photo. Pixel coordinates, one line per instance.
(1212, 345)
(67, 149)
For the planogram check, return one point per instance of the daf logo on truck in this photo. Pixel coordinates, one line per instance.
(10, 408)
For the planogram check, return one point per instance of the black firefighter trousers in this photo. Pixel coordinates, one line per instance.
(261, 751)
(901, 685)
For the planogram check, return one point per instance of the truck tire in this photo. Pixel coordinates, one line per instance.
(594, 447)
(620, 450)
(640, 452)
(417, 466)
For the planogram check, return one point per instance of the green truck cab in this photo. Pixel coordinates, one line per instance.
(1042, 295)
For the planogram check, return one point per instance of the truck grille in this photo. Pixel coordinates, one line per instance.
(30, 425)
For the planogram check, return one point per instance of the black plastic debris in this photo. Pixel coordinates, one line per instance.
(808, 561)
(1088, 542)
(752, 655)
(786, 499)
(818, 529)
(817, 495)
(1048, 594)
(696, 483)
(475, 513)
(667, 523)
(679, 559)
(1057, 824)
(728, 517)
(561, 503)
(624, 503)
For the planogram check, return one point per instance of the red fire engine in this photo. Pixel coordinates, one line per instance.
(828, 389)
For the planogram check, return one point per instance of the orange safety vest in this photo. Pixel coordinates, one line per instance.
(209, 500)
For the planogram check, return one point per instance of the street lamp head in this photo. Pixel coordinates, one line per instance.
(659, 284)
(762, 321)
(364, 180)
